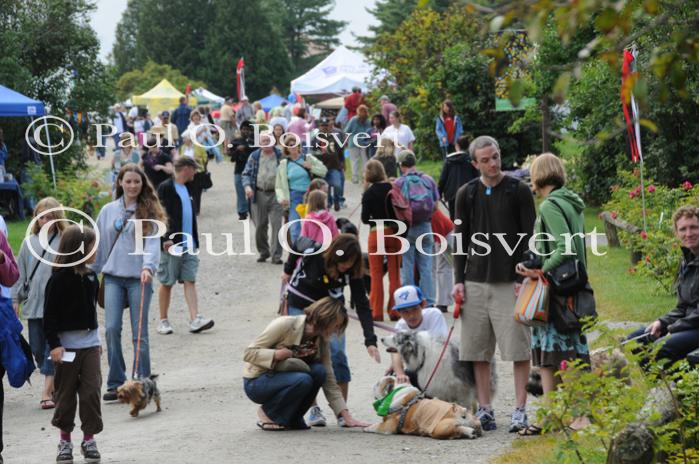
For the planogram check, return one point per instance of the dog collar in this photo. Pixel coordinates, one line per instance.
(383, 406)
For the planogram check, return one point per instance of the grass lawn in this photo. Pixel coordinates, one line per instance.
(622, 296)
(16, 231)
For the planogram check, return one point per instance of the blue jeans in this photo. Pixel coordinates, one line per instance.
(338, 352)
(241, 199)
(295, 200)
(286, 396)
(336, 182)
(676, 346)
(413, 258)
(117, 292)
(40, 347)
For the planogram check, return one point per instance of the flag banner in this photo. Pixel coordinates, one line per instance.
(628, 104)
(240, 78)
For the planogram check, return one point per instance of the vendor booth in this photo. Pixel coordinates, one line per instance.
(335, 75)
(162, 97)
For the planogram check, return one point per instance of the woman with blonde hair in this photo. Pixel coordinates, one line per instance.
(560, 214)
(28, 292)
(376, 206)
(126, 271)
(294, 175)
(289, 362)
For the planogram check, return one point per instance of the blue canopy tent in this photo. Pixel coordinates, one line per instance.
(14, 104)
(271, 101)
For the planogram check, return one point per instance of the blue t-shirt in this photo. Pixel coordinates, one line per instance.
(299, 179)
(187, 226)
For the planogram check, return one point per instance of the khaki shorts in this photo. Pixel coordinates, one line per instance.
(174, 269)
(487, 317)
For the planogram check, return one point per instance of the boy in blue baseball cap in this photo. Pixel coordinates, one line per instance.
(415, 317)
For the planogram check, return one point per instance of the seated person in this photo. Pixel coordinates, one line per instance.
(414, 317)
(681, 323)
(289, 362)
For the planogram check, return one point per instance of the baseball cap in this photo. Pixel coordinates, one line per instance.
(406, 158)
(324, 122)
(165, 114)
(407, 296)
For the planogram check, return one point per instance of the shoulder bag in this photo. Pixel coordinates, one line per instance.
(23, 293)
(100, 291)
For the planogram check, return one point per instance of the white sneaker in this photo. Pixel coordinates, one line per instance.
(316, 417)
(164, 327)
(200, 323)
(341, 421)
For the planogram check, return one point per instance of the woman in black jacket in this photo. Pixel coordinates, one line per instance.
(456, 171)
(376, 206)
(311, 277)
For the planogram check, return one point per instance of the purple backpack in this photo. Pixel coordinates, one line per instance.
(418, 191)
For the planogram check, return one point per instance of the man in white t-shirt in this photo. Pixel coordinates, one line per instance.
(415, 317)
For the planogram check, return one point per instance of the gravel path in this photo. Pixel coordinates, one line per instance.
(206, 416)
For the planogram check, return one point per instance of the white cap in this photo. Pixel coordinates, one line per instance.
(407, 297)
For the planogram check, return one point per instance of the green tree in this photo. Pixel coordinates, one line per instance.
(123, 53)
(447, 44)
(170, 32)
(50, 53)
(243, 29)
(306, 30)
(391, 13)
(138, 81)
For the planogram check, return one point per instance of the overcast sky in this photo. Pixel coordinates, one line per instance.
(108, 14)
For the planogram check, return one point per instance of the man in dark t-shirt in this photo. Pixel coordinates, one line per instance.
(494, 218)
(328, 149)
(156, 163)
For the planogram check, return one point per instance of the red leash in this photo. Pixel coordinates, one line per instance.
(457, 312)
(138, 339)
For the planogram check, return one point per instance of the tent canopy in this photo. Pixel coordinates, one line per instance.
(163, 96)
(334, 103)
(271, 101)
(15, 104)
(336, 74)
(205, 97)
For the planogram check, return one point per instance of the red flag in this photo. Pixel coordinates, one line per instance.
(628, 76)
(240, 74)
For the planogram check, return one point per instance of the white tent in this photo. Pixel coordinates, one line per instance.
(206, 97)
(336, 74)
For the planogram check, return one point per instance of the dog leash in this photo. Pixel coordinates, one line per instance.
(138, 336)
(457, 312)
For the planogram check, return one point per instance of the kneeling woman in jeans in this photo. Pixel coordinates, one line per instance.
(289, 362)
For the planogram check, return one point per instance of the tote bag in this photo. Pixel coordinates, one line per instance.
(532, 306)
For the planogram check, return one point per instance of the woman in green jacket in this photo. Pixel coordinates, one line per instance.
(550, 347)
(293, 178)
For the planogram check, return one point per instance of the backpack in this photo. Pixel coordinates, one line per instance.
(15, 353)
(418, 192)
(401, 206)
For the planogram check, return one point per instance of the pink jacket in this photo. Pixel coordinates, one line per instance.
(314, 231)
(9, 272)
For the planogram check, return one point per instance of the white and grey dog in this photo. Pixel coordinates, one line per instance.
(453, 382)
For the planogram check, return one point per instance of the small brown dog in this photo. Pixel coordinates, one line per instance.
(138, 393)
(425, 417)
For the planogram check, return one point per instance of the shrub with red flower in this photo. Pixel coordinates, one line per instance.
(686, 185)
(651, 188)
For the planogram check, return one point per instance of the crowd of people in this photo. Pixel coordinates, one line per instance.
(304, 350)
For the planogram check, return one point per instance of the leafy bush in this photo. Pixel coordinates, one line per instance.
(83, 190)
(659, 249)
(612, 403)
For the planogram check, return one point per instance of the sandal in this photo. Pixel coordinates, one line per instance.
(47, 404)
(531, 431)
(271, 427)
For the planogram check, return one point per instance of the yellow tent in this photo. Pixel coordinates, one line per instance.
(163, 96)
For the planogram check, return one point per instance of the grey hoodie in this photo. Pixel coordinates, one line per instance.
(122, 262)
